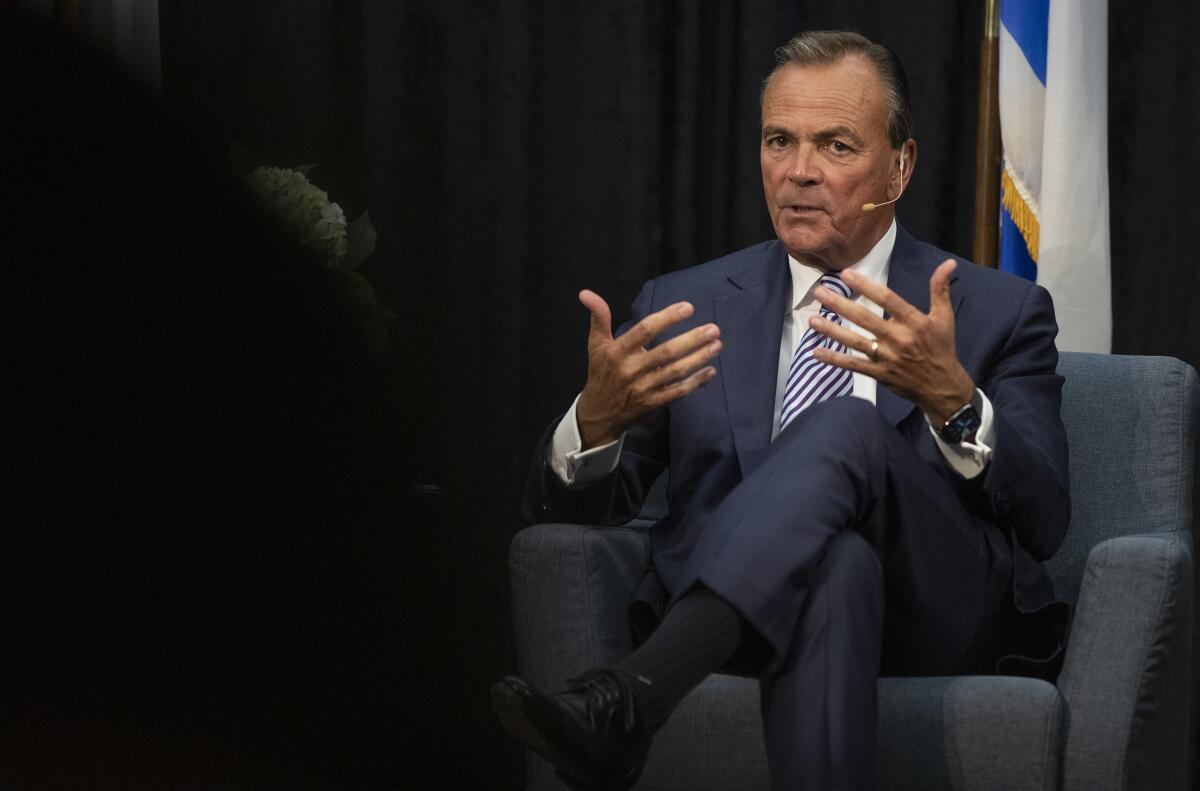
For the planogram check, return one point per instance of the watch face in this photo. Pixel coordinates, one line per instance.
(964, 423)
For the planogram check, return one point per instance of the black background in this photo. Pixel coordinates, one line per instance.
(511, 153)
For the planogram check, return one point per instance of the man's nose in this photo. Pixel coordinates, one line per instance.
(803, 167)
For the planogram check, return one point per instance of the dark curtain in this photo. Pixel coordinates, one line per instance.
(511, 153)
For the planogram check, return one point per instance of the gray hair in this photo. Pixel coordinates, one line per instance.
(826, 47)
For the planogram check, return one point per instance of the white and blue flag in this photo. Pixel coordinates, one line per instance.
(1054, 185)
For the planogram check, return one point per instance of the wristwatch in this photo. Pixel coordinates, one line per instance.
(962, 425)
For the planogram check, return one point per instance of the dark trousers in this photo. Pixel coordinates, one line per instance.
(851, 556)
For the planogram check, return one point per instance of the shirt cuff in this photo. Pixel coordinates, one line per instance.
(574, 466)
(969, 459)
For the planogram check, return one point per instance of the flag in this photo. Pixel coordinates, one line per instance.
(1053, 87)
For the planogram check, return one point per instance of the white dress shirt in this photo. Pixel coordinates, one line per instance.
(576, 467)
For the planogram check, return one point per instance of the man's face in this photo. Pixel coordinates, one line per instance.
(825, 152)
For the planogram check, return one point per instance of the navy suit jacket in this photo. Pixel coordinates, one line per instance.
(712, 438)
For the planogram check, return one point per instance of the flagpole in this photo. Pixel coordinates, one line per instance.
(985, 249)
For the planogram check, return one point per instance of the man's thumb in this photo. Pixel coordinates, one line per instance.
(601, 328)
(939, 288)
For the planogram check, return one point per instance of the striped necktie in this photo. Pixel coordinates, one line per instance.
(810, 380)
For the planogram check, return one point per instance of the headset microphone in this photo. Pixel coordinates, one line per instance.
(873, 206)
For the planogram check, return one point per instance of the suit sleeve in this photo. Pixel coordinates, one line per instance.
(618, 497)
(1026, 483)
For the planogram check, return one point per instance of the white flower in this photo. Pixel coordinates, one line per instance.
(317, 222)
(332, 221)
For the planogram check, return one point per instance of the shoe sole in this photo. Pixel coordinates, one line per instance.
(510, 708)
(509, 698)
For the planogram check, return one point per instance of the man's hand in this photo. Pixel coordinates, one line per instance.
(915, 357)
(626, 381)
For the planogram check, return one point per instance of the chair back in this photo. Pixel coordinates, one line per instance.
(1131, 429)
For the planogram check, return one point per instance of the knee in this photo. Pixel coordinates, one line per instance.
(850, 555)
(853, 571)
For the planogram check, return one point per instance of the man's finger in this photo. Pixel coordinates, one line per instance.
(678, 390)
(848, 361)
(939, 289)
(683, 367)
(648, 328)
(679, 346)
(881, 295)
(856, 313)
(601, 327)
(843, 335)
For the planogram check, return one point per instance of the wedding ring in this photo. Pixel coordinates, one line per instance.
(874, 350)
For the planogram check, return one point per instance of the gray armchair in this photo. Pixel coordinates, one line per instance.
(1117, 718)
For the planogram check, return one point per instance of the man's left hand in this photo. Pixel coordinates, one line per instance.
(915, 356)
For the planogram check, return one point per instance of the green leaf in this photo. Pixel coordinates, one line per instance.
(360, 241)
(372, 316)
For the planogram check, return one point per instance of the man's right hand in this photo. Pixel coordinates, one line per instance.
(626, 381)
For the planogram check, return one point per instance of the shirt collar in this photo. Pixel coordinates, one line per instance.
(874, 265)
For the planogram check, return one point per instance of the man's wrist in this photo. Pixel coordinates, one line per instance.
(946, 406)
(588, 441)
(596, 426)
(572, 464)
(593, 434)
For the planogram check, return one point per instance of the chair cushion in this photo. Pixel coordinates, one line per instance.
(972, 732)
(713, 741)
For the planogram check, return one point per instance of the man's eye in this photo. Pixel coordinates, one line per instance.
(778, 141)
(838, 147)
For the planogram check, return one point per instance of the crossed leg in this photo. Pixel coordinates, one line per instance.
(851, 555)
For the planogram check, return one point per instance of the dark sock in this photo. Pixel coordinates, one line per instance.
(698, 635)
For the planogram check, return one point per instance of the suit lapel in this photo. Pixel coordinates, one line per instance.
(911, 266)
(751, 322)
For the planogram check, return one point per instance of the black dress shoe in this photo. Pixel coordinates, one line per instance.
(590, 732)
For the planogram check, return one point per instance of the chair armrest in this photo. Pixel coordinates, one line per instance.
(1125, 675)
(571, 585)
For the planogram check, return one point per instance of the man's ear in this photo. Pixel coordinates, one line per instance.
(908, 161)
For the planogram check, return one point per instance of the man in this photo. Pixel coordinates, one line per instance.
(843, 537)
